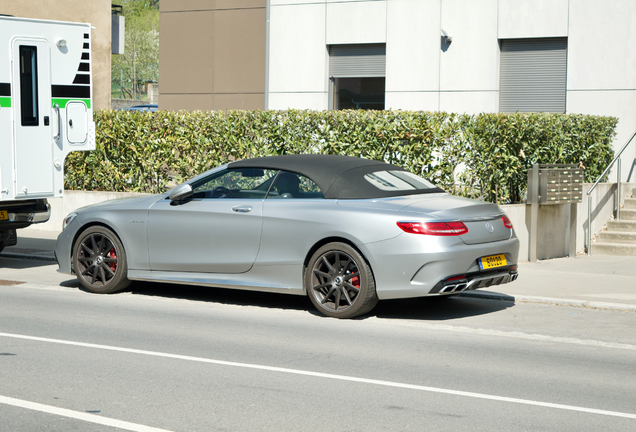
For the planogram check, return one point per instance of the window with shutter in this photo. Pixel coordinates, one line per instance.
(533, 75)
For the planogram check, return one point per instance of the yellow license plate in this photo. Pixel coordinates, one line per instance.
(492, 261)
(4, 215)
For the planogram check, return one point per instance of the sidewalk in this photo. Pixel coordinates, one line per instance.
(598, 281)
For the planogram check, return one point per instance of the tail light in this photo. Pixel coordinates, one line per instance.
(506, 221)
(434, 228)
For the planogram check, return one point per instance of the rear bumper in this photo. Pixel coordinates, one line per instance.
(418, 266)
(476, 281)
(21, 216)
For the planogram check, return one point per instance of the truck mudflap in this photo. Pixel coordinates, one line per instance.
(8, 238)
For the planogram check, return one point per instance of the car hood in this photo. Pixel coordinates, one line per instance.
(135, 203)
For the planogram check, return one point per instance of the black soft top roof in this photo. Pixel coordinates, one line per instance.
(337, 176)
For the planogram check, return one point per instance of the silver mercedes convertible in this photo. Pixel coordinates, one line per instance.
(344, 231)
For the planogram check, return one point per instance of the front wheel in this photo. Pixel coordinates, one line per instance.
(99, 261)
(339, 281)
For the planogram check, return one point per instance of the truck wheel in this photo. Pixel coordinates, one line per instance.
(99, 260)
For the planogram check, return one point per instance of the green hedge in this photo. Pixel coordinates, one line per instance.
(488, 153)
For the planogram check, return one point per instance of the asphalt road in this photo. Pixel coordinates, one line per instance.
(179, 358)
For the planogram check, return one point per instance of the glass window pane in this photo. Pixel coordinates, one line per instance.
(235, 183)
(291, 185)
(29, 85)
(359, 93)
(398, 181)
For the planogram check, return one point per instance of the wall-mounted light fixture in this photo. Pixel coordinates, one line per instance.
(61, 43)
(448, 39)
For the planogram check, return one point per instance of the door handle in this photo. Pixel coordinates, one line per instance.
(56, 107)
(242, 209)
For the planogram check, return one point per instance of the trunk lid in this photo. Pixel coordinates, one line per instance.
(483, 220)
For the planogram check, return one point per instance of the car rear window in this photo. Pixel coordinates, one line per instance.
(398, 181)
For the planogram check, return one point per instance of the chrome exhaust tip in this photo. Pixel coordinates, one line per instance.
(448, 289)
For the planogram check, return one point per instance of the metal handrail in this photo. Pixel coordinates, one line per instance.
(56, 138)
(589, 197)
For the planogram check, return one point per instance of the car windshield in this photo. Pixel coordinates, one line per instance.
(398, 181)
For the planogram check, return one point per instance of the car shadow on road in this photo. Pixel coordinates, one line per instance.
(15, 263)
(440, 308)
(221, 295)
(427, 308)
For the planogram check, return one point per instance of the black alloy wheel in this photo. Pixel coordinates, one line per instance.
(339, 281)
(99, 261)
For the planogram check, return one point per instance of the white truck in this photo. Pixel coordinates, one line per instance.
(45, 113)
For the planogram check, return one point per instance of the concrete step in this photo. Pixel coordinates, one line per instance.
(621, 225)
(630, 203)
(622, 249)
(628, 214)
(617, 237)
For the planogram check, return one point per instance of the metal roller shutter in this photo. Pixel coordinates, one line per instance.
(533, 75)
(357, 61)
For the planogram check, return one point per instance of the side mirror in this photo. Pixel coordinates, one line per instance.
(180, 192)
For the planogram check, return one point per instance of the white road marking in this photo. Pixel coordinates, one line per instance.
(329, 376)
(516, 335)
(78, 415)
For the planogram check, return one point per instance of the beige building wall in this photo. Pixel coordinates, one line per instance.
(212, 54)
(95, 12)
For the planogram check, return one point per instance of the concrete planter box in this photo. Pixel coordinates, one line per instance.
(552, 241)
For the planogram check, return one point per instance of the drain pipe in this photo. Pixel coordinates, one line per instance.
(266, 89)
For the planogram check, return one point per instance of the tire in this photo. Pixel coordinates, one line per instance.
(339, 282)
(99, 261)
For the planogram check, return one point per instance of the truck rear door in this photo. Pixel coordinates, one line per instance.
(33, 141)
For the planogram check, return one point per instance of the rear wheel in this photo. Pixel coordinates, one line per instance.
(99, 261)
(339, 281)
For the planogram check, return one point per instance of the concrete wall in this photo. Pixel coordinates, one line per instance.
(553, 241)
(126, 103)
(425, 73)
(212, 54)
(95, 12)
(298, 81)
(601, 68)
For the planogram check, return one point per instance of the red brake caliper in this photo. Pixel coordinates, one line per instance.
(355, 281)
(112, 265)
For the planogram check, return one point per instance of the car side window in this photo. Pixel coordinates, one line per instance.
(244, 183)
(291, 185)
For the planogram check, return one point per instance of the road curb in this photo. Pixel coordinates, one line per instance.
(553, 301)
